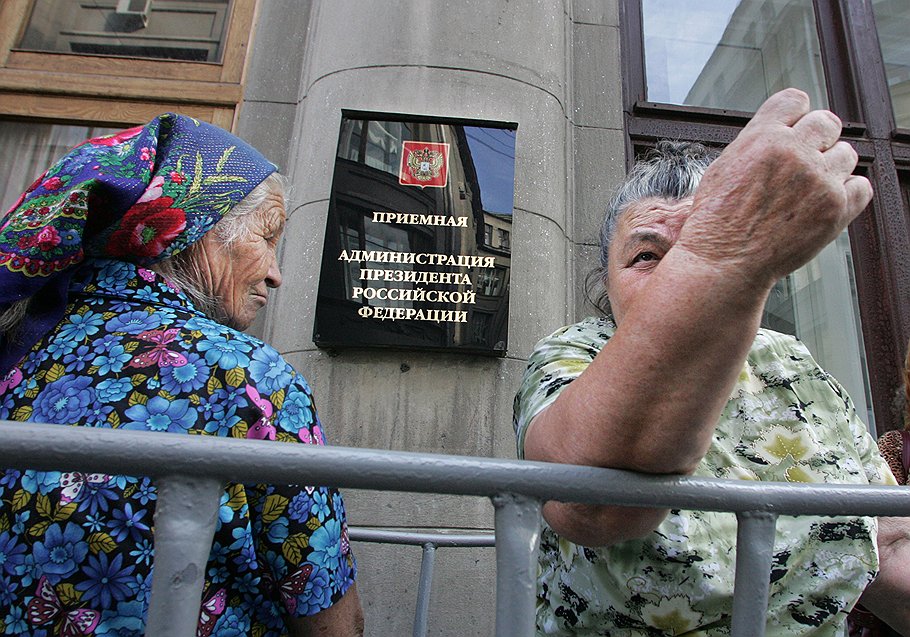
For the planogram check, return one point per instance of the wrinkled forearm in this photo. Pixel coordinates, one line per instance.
(651, 399)
(589, 525)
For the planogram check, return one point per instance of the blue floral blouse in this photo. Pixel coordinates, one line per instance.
(76, 549)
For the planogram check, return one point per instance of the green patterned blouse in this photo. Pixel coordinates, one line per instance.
(787, 420)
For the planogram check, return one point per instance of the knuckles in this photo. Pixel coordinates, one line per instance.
(781, 190)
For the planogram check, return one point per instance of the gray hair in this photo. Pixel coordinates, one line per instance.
(182, 269)
(671, 170)
(12, 317)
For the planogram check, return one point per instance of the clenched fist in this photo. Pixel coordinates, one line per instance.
(777, 195)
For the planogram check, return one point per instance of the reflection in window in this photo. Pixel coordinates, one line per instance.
(503, 238)
(379, 147)
(358, 233)
(487, 234)
(29, 149)
(383, 148)
(892, 19)
(490, 280)
(190, 30)
(730, 54)
(350, 240)
(379, 237)
(818, 304)
(350, 140)
(480, 326)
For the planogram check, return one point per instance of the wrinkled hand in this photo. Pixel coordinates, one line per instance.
(778, 194)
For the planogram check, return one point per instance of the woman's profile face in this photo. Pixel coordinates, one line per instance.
(240, 276)
(646, 230)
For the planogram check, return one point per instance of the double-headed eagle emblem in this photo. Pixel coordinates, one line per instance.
(424, 164)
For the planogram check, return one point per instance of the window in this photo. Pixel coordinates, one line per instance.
(100, 66)
(379, 146)
(86, 63)
(490, 281)
(191, 30)
(358, 234)
(487, 234)
(503, 238)
(383, 147)
(30, 148)
(480, 326)
(892, 20)
(696, 71)
(730, 53)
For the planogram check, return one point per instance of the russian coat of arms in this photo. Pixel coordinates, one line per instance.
(424, 164)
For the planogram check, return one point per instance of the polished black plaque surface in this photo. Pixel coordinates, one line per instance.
(418, 237)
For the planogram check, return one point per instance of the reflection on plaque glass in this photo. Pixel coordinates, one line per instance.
(418, 236)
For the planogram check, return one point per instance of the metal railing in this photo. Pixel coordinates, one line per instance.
(428, 542)
(189, 472)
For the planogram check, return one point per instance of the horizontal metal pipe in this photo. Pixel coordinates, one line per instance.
(155, 454)
(419, 538)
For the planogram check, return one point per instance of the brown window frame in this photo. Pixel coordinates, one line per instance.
(108, 90)
(858, 93)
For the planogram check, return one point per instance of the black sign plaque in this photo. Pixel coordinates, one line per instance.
(418, 236)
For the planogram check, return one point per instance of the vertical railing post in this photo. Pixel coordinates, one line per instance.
(185, 516)
(754, 553)
(422, 614)
(517, 541)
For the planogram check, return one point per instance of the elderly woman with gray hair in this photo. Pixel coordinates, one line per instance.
(127, 272)
(678, 378)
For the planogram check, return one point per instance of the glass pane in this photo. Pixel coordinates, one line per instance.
(191, 30)
(379, 147)
(350, 139)
(730, 54)
(818, 305)
(383, 149)
(892, 19)
(30, 149)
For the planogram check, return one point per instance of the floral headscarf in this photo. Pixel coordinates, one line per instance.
(140, 195)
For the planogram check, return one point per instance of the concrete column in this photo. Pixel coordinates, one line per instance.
(466, 59)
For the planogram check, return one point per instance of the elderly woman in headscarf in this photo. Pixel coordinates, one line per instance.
(679, 379)
(127, 271)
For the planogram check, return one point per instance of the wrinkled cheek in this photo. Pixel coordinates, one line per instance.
(242, 315)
